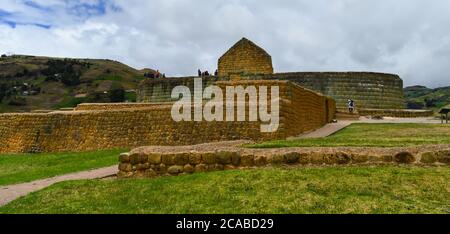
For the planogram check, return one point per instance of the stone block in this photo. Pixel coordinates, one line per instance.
(188, 168)
(195, 158)
(150, 173)
(124, 158)
(387, 158)
(304, 159)
(224, 157)
(247, 160)
(160, 169)
(181, 159)
(359, 158)
(209, 158)
(175, 170)
(154, 158)
(168, 159)
(404, 157)
(125, 167)
(291, 158)
(275, 159)
(428, 158)
(134, 158)
(236, 159)
(316, 158)
(444, 156)
(201, 168)
(260, 161)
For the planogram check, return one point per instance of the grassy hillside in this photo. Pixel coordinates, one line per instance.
(420, 97)
(34, 83)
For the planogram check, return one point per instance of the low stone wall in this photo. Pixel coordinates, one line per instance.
(395, 113)
(161, 161)
(117, 106)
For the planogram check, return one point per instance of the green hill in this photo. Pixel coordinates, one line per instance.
(421, 97)
(30, 83)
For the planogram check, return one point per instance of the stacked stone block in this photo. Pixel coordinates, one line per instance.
(395, 113)
(150, 124)
(369, 90)
(163, 161)
(245, 58)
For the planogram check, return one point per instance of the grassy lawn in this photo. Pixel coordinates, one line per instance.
(277, 190)
(28, 167)
(374, 135)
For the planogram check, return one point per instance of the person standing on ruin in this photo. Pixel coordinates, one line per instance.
(199, 73)
(351, 106)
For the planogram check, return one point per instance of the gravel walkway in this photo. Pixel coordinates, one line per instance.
(11, 192)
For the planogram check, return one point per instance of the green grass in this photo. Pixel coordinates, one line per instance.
(373, 135)
(22, 168)
(277, 190)
(69, 102)
(110, 77)
(131, 97)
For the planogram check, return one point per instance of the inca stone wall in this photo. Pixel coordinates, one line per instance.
(369, 90)
(115, 106)
(245, 57)
(246, 60)
(165, 161)
(160, 90)
(94, 129)
(396, 113)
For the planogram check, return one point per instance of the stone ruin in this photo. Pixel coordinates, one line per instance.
(308, 101)
(247, 61)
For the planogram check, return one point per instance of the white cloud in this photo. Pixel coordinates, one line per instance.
(409, 38)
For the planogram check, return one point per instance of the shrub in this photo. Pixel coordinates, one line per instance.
(117, 94)
(18, 101)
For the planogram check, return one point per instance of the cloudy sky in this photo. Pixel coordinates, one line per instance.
(406, 37)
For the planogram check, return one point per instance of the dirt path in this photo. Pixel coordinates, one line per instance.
(11, 192)
(325, 131)
(332, 128)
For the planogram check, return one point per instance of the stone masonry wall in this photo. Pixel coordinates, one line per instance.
(160, 90)
(134, 127)
(369, 90)
(245, 57)
(395, 113)
(116, 106)
(162, 161)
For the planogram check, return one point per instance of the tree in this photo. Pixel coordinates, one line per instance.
(117, 94)
(415, 105)
(3, 90)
